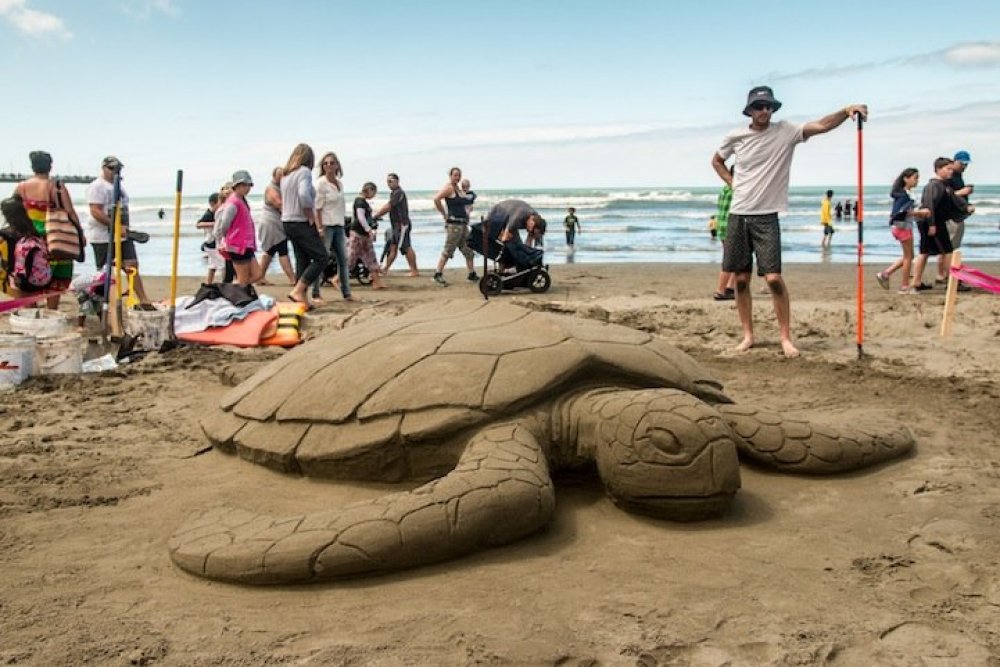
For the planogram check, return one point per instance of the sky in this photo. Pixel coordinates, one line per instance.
(519, 94)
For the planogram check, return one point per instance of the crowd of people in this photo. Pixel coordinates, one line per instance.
(305, 212)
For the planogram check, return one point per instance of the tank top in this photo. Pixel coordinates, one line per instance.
(456, 208)
(269, 214)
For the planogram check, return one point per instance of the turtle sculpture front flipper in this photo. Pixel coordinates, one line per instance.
(800, 446)
(499, 491)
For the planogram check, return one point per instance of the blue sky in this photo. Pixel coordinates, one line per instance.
(519, 94)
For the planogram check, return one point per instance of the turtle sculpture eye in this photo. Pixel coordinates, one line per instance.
(659, 445)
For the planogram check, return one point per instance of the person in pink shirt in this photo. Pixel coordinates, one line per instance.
(236, 232)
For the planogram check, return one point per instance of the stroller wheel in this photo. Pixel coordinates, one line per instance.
(491, 283)
(540, 281)
(362, 274)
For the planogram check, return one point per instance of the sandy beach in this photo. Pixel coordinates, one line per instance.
(894, 565)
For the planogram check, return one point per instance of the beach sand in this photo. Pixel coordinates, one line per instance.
(896, 565)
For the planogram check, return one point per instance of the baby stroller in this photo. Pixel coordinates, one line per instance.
(514, 264)
(359, 271)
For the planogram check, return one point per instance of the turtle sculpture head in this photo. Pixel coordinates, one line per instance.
(660, 452)
(485, 400)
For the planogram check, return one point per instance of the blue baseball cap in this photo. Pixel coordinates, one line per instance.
(963, 156)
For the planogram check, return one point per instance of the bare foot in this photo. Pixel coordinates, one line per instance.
(789, 350)
(382, 286)
(264, 283)
(413, 274)
(745, 345)
(317, 301)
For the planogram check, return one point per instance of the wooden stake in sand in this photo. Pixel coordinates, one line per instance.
(950, 297)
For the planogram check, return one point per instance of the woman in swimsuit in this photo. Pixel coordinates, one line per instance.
(39, 193)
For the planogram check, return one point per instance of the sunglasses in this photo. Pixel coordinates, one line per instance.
(761, 106)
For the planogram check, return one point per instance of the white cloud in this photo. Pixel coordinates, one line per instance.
(142, 9)
(976, 54)
(965, 54)
(31, 21)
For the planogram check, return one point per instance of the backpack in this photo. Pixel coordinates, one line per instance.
(32, 272)
(7, 241)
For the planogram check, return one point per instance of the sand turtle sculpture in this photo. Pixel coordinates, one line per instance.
(481, 401)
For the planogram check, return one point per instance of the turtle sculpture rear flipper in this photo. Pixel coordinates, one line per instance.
(806, 447)
(499, 491)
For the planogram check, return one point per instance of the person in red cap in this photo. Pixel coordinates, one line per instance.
(763, 151)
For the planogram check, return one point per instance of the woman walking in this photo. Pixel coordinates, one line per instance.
(298, 217)
(451, 203)
(272, 233)
(330, 212)
(362, 245)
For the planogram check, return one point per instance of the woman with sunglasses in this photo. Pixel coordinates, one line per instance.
(330, 211)
(298, 216)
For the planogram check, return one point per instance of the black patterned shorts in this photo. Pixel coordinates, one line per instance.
(750, 235)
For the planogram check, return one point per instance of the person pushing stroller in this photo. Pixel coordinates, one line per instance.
(516, 215)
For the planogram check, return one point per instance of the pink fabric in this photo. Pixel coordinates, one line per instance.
(241, 235)
(360, 247)
(976, 278)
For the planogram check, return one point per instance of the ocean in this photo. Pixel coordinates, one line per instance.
(666, 224)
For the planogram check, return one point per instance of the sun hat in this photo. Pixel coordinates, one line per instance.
(761, 94)
(242, 176)
(112, 163)
(963, 156)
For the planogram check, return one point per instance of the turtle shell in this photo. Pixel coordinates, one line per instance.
(375, 400)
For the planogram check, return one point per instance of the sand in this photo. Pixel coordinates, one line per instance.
(895, 565)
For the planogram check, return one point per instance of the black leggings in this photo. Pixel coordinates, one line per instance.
(311, 254)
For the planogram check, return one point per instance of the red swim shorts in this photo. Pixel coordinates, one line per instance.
(902, 234)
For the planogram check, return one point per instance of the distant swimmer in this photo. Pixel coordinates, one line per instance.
(161, 214)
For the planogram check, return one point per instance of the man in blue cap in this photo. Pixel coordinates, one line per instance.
(956, 228)
(763, 151)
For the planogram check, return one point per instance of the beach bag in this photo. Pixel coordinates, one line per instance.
(7, 242)
(63, 235)
(32, 272)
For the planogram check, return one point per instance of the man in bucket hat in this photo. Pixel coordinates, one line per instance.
(763, 152)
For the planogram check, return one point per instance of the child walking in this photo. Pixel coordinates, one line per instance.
(901, 218)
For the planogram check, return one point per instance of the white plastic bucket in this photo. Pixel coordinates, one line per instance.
(17, 357)
(150, 328)
(39, 322)
(57, 355)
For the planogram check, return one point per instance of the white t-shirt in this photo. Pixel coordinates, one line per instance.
(103, 193)
(763, 165)
(330, 202)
